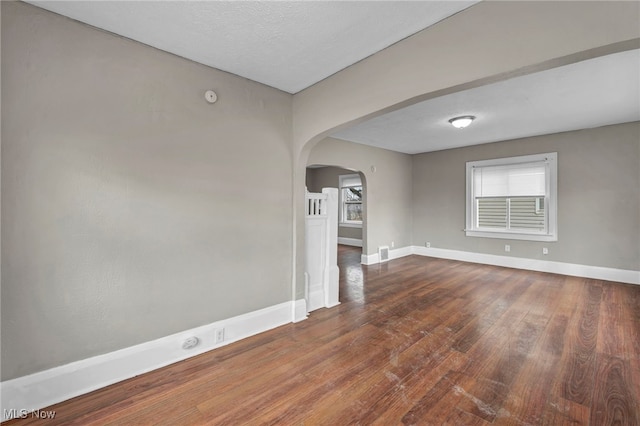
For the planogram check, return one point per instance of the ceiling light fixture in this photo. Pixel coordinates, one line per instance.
(462, 122)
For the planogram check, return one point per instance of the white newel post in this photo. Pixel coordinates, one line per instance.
(316, 252)
(321, 263)
(332, 272)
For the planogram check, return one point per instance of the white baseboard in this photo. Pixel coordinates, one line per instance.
(369, 259)
(400, 252)
(350, 241)
(372, 259)
(42, 389)
(300, 312)
(572, 269)
(316, 299)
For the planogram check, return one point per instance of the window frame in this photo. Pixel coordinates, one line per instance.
(550, 159)
(343, 203)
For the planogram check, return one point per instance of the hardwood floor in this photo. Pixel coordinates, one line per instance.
(415, 340)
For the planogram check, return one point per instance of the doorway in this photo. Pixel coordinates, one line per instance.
(351, 221)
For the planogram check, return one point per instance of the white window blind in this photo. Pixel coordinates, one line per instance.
(349, 181)
(513, 180)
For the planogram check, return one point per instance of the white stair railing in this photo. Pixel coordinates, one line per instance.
(316, 204)
(321, 266)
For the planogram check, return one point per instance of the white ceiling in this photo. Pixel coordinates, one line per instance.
(289, 45)
(591, 93)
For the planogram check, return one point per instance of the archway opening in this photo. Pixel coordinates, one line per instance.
(352, 223)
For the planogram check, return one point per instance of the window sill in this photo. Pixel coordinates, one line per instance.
(350, 225)
(511, 235)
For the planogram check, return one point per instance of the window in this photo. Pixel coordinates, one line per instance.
(350, 200)
(513, 198)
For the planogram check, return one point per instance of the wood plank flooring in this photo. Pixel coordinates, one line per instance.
(415, 341)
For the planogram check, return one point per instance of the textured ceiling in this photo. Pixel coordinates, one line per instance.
(587, 94)
(289, 45)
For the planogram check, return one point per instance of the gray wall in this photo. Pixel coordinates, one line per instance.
(388, 189)
(329, 177)
(598, 197)
(128, 202)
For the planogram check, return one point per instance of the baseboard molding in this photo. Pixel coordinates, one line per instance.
(372, 259)
(369, 259)
(300, 312)
(316, 299)
(572, 269)
(400, 252)
(350, 241)
(58, 384)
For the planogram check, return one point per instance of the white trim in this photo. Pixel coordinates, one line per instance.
(369, 259)
(350, 241)
(510, 235)
(572, 269)
(400, 252)
(332, 286)
(372, 259)
(58, 384)
(316, 299)
(352, 224)
(300, 310)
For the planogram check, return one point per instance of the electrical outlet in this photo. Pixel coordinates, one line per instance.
(427, 244)
(545, 250)
(219, 336)
(190, 343)
(392, 244)
(507, 248)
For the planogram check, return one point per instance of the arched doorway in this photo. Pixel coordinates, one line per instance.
(352, 213)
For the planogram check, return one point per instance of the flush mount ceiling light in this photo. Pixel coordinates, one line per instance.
(462, 122)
